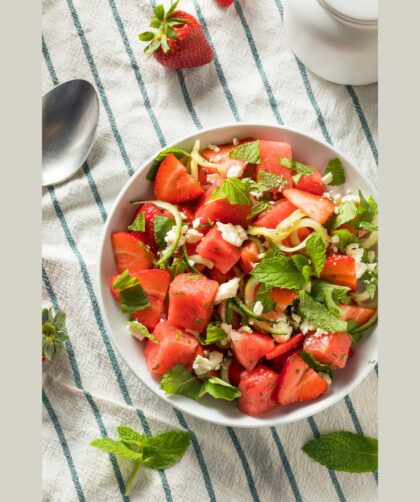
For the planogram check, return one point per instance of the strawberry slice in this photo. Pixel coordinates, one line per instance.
(249, 256)
(174, 184)
(299, 382)
(150, 212)
(258, 390)
(130, 253)
(340, 270)
(316, 207)
(281, 349)
(360, 314)
(312, 183)
(270, 151)
(272, 217)
(249, 348)
(330, 348)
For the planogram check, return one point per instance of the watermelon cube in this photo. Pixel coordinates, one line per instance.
(329, 348)
(223, 254)
(249, 348)
(221, 210)
(270, 151)
(257, 388)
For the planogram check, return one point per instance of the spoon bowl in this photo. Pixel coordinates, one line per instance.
(70, 114)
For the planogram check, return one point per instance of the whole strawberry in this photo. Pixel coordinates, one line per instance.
(224, 3)
(179, 41)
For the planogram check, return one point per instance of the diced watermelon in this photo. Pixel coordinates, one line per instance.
(330, 348)
(191, 299)
(282, 297)
(223, 254)
(312, 183)
(258, 390)
(249, 348)
(340, 270)
(360, 314)
(130, 253)
(283, 348)
(275, 215)
(155, 284)
(174, 346)
(221, 210)
(174, 184)
(234, 372)
(249, 256)
(299, 382)
(315, 206)
(270, 152)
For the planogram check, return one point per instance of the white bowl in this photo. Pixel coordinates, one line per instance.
(305, 149)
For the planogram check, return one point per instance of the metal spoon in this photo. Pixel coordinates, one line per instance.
(70, 115)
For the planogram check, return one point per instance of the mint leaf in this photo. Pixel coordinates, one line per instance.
(260, 207)
(268, 181)
(139, 224)
(177, 267)
(221, 390)
(164, 450)
(234, 190)
(299, 168)
(346, 212)
(179, 154)
(345, 238)
(302, 264)
(317, 251)
(280, 272)
(132, 295)
(117, 448)
(316, 365)
(179, 380)
(344, 451)
(247, 152)
(336, 168)
(367, 210)
(370, 282)
(318, 315)
(141, 330)
(129, 435)
(161, 226)
(263, 296)
(214, 334)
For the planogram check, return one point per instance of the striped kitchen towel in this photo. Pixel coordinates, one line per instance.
(89, 390)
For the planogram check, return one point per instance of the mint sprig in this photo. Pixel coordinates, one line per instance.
(299, 168)
(345, 238)
(161, 226)
(346, 213)
(132, 295)
(279, 272)
(214, 334)
(247, 152)
(336, 168)
(317, 252)
(344, 451)
(155, 452)
(318, 315)
(234, 190)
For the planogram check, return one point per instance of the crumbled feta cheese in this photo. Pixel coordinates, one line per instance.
(192, 236)
(235, 141)
(305, 327)
(372, 266)
(203, 365)
(256, 195)
(327, 178)
(337, 198)
(297, 318)
(356, 252)
(135, 332)
(334, 239)
(281, 317)
(211, 178)
(183, 215)
(335, 249)
(227, 328)
(319, 332)
(327, 195)
(336, 209)
(245, 329)
(196, 258)
(213, 147)
(234, 172)
(258, 308)
(326, 377)
(234, 234)
(351, 197)
(170, 237)
(196, 223)
(227, 290)
(261, 256)
(371, 255)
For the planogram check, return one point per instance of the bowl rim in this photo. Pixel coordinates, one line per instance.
(265, 422)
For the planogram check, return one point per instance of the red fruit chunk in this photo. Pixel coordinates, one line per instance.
(130, 253)
(360, 314)
(155, 284)
(191, 299)
(234, 372)
(174, 184)
(249, 348)
(258, 390)
(340, 270)
(150, 212)
(174, 346)
(283, 348)
(223, 254)
(224, 3)
(299, 382)
(282, 297)
(316, 207)
(221, 210)
(331, 348)
(221, 156)
(272, 217)
(218, 276)
(312, 183)
(249, 256)
(270, 152)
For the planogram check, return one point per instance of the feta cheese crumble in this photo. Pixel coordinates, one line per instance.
(234, 234)
(297, 318)
(256, 195)
(235, 141)
(356, 252)
(305, 327)
(135, 332)
(213, 147)
(203, 365)
(227, 290)
(245, 329)
(211, 178)
(171, 236)
(327, 178)
(196, 258)
(258, 308)
(192, 236)
(351, 197)
(196, 223)
(234, 172)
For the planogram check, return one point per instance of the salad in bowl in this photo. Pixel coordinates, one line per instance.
(249, 276)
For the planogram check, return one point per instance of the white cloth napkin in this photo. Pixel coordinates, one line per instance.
(89, 390)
